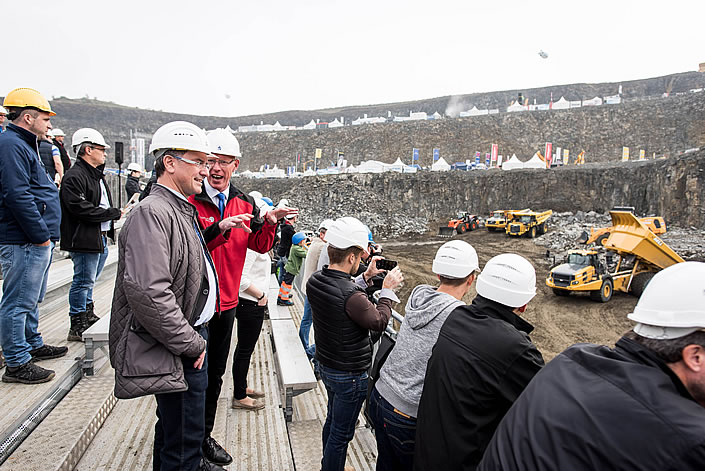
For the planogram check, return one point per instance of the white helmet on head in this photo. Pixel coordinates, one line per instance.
(223, 142)
(347, 232)
(262, 205)
(508, 279)
(134, 167)
(56, 132)
(256, 194)
(88, 136)
(325, 225)
(673, 303)
(179, 135)
(455, 259)
(3, 110)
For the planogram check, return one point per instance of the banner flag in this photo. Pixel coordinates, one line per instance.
(436, 154)
(625, 154)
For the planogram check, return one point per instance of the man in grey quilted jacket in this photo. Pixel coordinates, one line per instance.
(166, 291)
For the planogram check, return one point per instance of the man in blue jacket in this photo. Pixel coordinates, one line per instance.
(29, 227)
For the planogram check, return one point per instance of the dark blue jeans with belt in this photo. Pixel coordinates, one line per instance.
(180, 428)
(346, 393)
(395, 434)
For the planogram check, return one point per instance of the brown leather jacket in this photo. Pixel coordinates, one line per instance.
(160, 290)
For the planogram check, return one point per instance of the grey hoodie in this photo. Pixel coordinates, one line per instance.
(401, 378)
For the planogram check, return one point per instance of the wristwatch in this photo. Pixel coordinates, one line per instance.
(261, 297)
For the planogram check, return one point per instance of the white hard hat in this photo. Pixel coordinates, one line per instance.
(179, 135)
(56, 132)
(673, 303)
(262, 205)
(325, 224)
(88, 136)
(3, 110)
(455, 259)
(508, 279)
(224, 143)
(256, 194)
(50, 133)
(283, 202)
(347, 232)
(134, 167)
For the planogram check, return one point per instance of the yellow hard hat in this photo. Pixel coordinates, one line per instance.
(27, 98)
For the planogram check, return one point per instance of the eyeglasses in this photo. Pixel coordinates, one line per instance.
(197, 163)
(222, 163)
(101, 149)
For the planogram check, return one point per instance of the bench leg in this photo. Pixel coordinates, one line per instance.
(90, 355)
(289, 405)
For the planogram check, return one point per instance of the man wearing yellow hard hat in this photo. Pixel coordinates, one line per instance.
(29, 227)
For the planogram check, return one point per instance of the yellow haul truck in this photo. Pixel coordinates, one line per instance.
(498, 219)
(656, 224)
(529, 223)
(633, 256)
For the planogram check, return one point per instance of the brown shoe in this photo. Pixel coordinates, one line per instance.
(256, 394)
(256, 405)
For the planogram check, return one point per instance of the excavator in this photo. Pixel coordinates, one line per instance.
(631, 256)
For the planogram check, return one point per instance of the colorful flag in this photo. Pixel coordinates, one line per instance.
(548, 154)
(436, 154)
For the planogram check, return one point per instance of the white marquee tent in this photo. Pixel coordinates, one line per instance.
(535, 162)
(513, 163)
(440, 165)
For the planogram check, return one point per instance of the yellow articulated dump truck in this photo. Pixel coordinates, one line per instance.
(632, 255)
(498, 219)
(529, 223)
(656, 224)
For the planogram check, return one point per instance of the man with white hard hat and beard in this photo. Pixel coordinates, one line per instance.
(481, 363)
(343, 320)
(639, 405)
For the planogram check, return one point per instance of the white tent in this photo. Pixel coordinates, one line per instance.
(229, 129)
(410, 169)
(351, 169)
(440, 165)
(597, 101)
(335, 124)
(513, 163)
(436, 115)
(372, 166)
(397, 166)
(473, 112)
(278, 127)
(309, 173)
(535, 162)
(516, 107)
(561, 104)
(310, 125)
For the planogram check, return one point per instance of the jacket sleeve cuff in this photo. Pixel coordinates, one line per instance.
(389, 294)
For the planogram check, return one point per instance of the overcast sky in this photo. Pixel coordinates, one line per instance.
(238, 58)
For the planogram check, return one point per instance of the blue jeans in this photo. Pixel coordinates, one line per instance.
(86, 269)
(305, 330)
(395, 435)
(346, 393)
(181, 420)
(25, 269)
(280, 266)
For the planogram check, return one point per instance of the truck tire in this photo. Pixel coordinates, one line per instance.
(561, 292)
(544, 228)
(639, 283)
(604, 294)
(460, 228)
(532, 232)
(474, 226)
(602, 239)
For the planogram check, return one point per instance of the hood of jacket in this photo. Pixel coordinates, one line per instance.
(425, 304)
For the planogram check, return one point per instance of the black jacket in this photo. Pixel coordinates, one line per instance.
(47, 157)
(597, 408)
(81, 213)
(482, 361)
(65, 160)
(340, 343)
(287, 232)
(132, 186)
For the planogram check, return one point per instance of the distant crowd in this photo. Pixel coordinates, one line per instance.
(460, 386)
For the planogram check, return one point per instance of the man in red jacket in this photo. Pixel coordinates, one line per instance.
(219, 200)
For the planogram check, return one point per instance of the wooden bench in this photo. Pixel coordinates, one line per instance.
(295, 373)
(95, 338)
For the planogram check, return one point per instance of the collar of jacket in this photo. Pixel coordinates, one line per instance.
(27, 136)
(643, 355)
(502, 312)
(204, 198)
(95, 172)
(184, 206)
(335, 273)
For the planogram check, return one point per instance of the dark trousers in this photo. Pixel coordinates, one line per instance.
(249, 325)
(179, 432)
(220, 331)
(395, 435)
